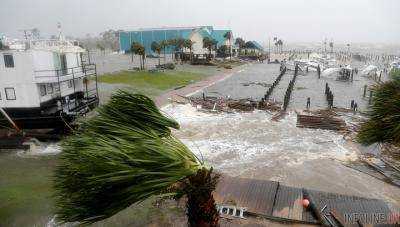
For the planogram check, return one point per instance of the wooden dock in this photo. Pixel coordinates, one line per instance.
(278, 203)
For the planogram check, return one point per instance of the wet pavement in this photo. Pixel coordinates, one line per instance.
(252, 145)
(308, 85)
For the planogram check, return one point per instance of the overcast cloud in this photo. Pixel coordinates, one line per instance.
(292, 20)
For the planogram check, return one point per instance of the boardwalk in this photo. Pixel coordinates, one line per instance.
(281, 203)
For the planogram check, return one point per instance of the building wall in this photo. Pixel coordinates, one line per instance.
(20, 78)
(197, 40)
(147, 37)
(32, 69)
(50, 61)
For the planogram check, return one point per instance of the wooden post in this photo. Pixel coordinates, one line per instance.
(370, 97)
(9, 120)
(365, 90)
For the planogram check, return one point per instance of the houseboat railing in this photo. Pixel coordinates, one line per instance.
(88, 72)
(52, 73)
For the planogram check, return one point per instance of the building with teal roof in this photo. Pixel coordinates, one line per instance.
(147, 36)
(219, 36)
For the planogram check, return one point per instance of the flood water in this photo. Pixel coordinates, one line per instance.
(238, 144)
(307, 85)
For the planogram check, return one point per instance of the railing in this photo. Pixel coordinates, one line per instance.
(44, 43)
(59, 73)
(89, 91)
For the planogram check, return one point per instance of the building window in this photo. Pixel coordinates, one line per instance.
(10, 93)
(42, 89)
(49, 89)
(8, 60)
(0, 95)
(70, 83)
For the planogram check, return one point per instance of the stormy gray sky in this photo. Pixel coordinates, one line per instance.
(291, 20)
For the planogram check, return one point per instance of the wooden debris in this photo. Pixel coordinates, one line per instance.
(321, 122)
(227, 105)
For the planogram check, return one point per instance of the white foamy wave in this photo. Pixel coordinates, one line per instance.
(38, 148)
(240, 142)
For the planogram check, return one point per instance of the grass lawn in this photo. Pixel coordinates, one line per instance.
(25, 189)
(147, 80)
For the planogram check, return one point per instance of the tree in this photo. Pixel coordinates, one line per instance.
(331, 46)
(156, 47)
(222, 50)
(124, 155)
(188, 44)
(240, 43)
(278, 44)
(384, 122)
(138, 49)
(3, 46)
(209, 44)
(179, 44)
(228, 36)
(35, 32)
(164, 44)
(110, 39)
(172, 43)
(100, 47)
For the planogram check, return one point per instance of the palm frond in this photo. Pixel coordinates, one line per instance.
(120, 157)
(384, 122)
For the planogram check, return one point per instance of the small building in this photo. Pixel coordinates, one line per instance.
(46, 84)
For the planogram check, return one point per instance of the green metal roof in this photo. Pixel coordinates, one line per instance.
(218, 35)
(257, 45)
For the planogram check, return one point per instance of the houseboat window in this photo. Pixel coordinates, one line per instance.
(49, 89)
(42, 89)
(10, 93)
(8, 60)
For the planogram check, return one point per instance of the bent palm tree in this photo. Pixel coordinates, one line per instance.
(156, 47)
(140, 50)
(124, 155)
(384, 122)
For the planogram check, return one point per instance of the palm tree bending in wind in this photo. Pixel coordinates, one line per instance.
(124, 155)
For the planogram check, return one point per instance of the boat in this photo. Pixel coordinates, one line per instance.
(45, 84)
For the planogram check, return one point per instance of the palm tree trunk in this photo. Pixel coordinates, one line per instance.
(201, 209)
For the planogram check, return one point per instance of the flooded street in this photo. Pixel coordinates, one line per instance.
(308, 85)
(238, 144)
(252, 145)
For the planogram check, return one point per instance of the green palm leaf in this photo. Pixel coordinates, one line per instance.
(123, 155)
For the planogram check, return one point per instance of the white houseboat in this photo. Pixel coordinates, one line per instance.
(45, 84)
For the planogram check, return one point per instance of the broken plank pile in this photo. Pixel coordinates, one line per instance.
(269, 105)
(227, 105)
(320, 122)
(221, 104)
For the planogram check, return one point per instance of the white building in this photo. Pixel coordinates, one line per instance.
(45, 79)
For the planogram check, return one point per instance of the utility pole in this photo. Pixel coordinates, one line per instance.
(269, 46)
